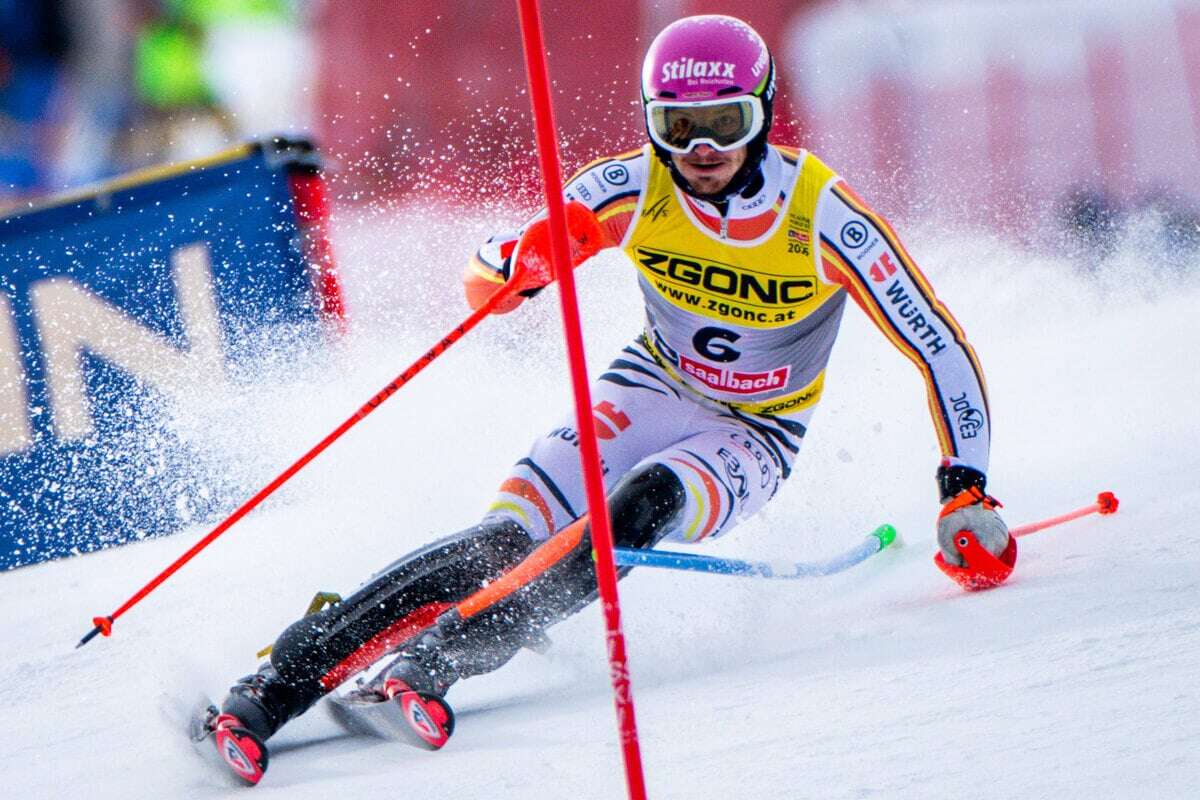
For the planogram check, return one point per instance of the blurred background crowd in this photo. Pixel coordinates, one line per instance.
(90, 88)
(1083, 113)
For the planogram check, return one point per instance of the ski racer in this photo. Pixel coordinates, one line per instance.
(745, 253)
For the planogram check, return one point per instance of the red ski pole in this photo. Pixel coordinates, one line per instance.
(1106, 503)
(104, 624)
(589, 450)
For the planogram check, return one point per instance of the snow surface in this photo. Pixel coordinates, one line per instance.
(1077, 679)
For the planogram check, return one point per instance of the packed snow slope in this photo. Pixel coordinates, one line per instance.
(1077, 679)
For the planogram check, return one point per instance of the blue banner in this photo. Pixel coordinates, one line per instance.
(114, 299)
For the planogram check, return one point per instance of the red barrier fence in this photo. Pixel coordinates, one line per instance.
(999, 114)
(428, 97)
(987, 114)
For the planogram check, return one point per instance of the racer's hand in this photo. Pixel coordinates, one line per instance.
(530, 263)
(965, 507)
(507, 270)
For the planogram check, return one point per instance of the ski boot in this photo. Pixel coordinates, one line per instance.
(262, 702)
(256, 707)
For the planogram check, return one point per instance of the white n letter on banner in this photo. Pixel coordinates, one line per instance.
(15, 431)
(70, 319)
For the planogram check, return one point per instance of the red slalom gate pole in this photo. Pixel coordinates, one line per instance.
(1106, 503)
(104, 624)
(589, 450)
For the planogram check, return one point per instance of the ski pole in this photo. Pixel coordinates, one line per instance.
(877, 540)
(1106, 503)
(103, 625)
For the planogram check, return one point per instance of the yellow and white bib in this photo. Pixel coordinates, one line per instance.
(748, 323)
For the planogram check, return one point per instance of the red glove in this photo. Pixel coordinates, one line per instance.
(976, 550)
(530, 264)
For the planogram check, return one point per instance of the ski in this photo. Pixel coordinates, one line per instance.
(239, 750)
(392, 710)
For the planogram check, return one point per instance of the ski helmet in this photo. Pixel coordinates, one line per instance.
(709, 79)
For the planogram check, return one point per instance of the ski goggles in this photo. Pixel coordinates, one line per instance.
(721, 124)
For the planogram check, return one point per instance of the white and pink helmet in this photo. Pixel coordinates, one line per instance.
(708, 80)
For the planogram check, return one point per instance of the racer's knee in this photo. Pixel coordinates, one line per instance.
(645, 505)
(727, 475)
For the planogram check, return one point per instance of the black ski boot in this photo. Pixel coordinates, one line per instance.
(421, 669)
(262, 702)
(256, 707)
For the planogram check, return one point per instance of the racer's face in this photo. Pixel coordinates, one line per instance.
(707, 169)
